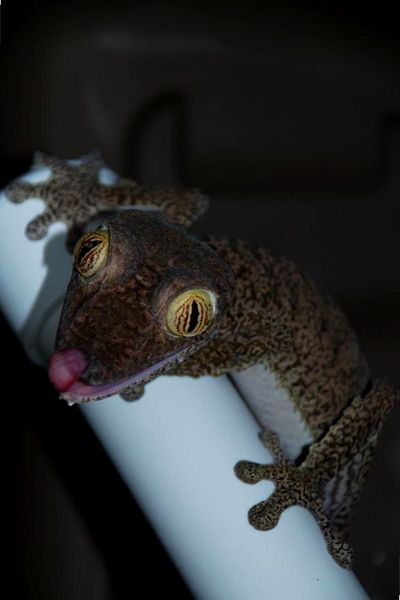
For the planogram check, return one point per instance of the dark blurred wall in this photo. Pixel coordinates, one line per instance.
(289, 116)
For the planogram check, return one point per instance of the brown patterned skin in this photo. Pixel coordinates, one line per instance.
(74, 195)
(278, 316)
(268, 313)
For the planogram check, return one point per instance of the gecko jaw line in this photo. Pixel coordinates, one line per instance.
(80, 391)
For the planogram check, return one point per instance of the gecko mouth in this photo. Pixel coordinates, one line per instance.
(67, 366)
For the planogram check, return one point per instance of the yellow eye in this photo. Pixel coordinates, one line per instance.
(91, 252)
(191, 312)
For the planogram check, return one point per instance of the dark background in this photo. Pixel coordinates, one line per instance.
(289, 116)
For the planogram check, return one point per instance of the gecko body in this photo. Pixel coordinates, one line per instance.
(147, 297)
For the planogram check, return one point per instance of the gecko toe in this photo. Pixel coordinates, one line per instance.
(18, 191)
(251, 472)
(132, 393)
(270, 440)
(266, 514)
(39, 226)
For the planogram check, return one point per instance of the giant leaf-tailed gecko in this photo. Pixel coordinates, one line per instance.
(147, 297)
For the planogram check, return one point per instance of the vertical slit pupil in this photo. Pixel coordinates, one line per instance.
(194, 317)
(87, 247)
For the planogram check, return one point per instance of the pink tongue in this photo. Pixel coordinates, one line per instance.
(65, 368)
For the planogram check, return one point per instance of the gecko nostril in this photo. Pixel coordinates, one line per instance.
(94, 373)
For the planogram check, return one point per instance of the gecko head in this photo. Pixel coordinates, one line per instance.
(143, 296)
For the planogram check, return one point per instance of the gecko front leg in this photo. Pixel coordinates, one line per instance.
(74, 193)
(294, 486)
(351, 439)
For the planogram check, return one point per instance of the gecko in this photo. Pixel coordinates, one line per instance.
(147, 297)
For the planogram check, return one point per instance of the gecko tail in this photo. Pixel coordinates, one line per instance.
(343, 491)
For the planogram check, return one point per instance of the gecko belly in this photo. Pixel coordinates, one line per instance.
(273, 407)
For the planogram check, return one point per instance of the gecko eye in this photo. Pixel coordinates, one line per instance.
(191, 312)
(91, 252)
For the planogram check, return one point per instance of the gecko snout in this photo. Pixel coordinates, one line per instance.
(66, 367)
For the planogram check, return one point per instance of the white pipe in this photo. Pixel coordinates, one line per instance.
(176, 448)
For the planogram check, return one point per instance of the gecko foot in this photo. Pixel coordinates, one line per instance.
(68, 191)
(294, 485)
(75, 191)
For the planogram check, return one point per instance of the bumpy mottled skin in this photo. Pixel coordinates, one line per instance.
(74, 196)
(268, 313)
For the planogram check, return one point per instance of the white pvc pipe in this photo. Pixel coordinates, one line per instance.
(176, 448)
